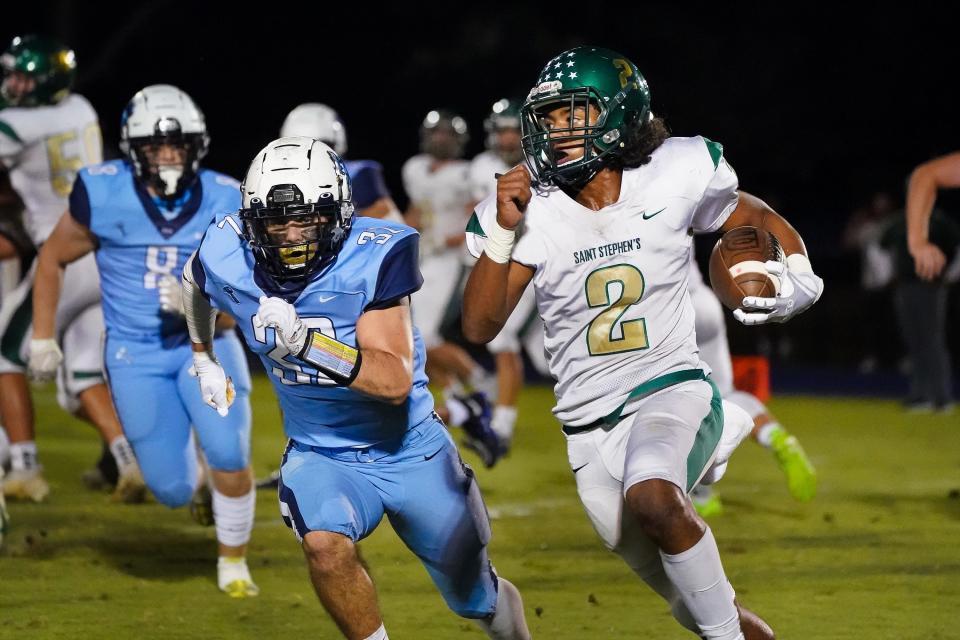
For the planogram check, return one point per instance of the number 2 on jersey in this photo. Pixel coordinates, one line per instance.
(600, 334)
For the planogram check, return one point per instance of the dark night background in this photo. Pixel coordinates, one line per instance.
(817, 107)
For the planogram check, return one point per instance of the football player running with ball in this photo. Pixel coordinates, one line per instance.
(600, 222)
(323, 297)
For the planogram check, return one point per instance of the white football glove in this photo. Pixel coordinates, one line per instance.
(216, 388)
(280, 314)
(45, 358)
(800, 287)
(171, 298)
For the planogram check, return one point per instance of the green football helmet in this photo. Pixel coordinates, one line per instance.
(577, 79)
(51, 64)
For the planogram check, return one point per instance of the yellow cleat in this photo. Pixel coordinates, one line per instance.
(241, 589)
(793, 461)
(706, 502)
(26, 484)
(233, 578)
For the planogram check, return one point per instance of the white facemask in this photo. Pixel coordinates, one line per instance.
(170, 175)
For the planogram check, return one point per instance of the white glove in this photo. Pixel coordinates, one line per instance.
(171, 298)
(45, 358)
(280, 314)
(800, 287)
(216, 388)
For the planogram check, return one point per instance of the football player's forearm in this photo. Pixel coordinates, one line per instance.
(485, 300)
(46, 293)
(921, 195)
(199, 313)
(384, 376)
(751, 211)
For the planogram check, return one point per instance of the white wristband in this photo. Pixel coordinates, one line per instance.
(799, 263)
(499, 243)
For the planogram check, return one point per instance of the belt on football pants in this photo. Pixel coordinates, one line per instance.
(647, 388)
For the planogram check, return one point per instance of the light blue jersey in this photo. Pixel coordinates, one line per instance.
(377, 266)
(138, 245)
(147, 353)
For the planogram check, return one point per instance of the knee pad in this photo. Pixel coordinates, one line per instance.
(172, 494)
(748, 402)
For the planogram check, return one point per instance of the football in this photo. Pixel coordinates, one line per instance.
(737, 265)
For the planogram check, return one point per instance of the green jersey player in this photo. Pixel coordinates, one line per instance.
(600, 221)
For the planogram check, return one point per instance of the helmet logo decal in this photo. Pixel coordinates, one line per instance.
(552, 86)
(625, 71)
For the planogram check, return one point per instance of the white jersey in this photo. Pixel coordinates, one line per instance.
(696, 276)
(43, 148)
(443, 198)
(483, 168)
(611, 285)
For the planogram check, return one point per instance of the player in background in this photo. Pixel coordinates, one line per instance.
(600, 220)
(940, 173)
(322, 296)
(503, 152)
(767, 431)
(47, 133)
(142, 216)
(437, 183)
(370, 193)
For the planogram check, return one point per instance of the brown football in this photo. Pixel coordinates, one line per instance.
(736, 265)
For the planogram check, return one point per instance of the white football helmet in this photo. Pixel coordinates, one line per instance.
(297, 207)
(316, 120)
(163, 114)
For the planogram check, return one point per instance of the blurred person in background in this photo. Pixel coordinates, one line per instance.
(437, 183)
(922, 245)
(523, 329)
(321, 122)
(862, 234)
(47, 134)
(142, 216)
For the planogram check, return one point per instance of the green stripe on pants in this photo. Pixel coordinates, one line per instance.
(17, 330)
(707, 439)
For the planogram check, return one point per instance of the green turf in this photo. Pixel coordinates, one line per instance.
(875, 555)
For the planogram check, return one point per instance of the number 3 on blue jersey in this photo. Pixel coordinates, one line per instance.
(290, 371)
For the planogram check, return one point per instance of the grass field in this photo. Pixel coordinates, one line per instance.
(875, 555)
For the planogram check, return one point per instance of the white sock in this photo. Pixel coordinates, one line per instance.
(233, 517)
(379, 634)
(503, 421)
(455, 388)
(698, 575)
(507, 622)
(23, 456)
(122, 453)
(765, 434)
(4, 447)
(458, 412)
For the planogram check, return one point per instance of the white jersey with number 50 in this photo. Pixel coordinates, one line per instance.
(611, 285)
(43, 148)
